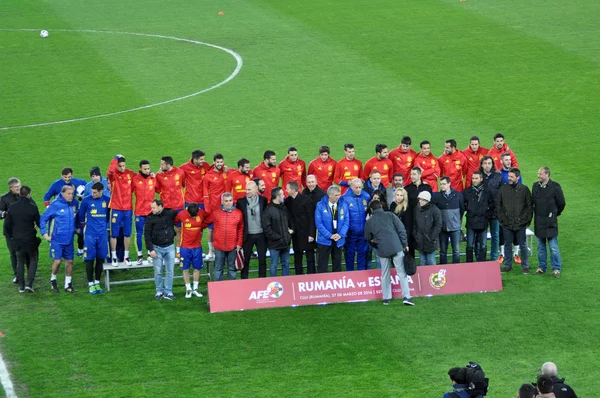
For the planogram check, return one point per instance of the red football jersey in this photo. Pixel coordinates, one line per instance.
(270, 175)
(347, 170)
(213, 187)
(384, 166)
(144, 190)
(431, 170)
(170, 185)
(497, 153)
(120, 187)
(473, 161)
(194, 175)
(236, 184)
(323, 171)
(455, 167)
(293, 171)
(403, 162)
(191, 228)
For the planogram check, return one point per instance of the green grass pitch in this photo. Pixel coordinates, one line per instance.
(315, 72)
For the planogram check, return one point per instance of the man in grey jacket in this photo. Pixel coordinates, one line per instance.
(385, 232)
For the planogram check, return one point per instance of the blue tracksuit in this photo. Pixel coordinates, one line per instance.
(63, 216)
(356, 245)
(55, 188)
(324, 222)
(88, 187)
(96, 216)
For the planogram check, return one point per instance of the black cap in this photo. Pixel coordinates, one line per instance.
(95, 171)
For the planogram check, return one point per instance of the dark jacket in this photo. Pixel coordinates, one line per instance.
(302, 211)
(513, 206)
(315, 195)
(548, 203)
(452, 206)
(413, 192)
(478, 206)
(275, 223)
(492, 183)
(158, 230)
(5, 201)
(407, 218)
(242, 204)
(21, 220)
(562, 390)
(387, 232)
(427, 228)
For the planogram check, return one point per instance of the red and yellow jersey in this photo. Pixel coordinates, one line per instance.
(213, 187)
(431, 170)
(323, 171)
(496, 154)
(170, 185)
(293, 171)
(403, 162)
(384, 166)
(236, 184)
(194, 175)
(120, 187)
(473, 161)
(144, 189)
(347, 170)
(270, 175)
(191, 228)
(455, 167)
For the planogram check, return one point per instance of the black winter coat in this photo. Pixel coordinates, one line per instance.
(158, 229)
(548, 204)
(427, 228)
(478, 208)
(513, 206)
(492, 183)
(276, 221)
(5, 201)
(303, 217)
(21, 220)
(407, 218)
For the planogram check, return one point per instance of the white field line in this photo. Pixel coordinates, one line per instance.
(237, 69)
(7, 384)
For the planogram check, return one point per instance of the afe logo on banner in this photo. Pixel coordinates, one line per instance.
(438, 279)
(274, 290)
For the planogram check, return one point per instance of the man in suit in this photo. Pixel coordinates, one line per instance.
(303, 217)
(21, 220)
(252, 207)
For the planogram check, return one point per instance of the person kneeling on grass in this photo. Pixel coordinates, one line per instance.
(385, 232)
(94, 216)
(193, 221)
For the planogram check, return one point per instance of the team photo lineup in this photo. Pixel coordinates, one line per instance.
(325, 207)
(304, 199)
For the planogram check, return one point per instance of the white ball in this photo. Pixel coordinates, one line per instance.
(44, 33)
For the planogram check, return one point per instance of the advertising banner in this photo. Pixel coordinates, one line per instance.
(334, 287)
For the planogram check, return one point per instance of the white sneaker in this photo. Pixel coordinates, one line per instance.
(188, 294)
(127, 262)
(115, 262)
(177, 261)
(140, 261)
(197, 293)
(149, 260)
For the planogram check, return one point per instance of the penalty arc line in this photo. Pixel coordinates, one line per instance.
(7, 384)
(237, 69)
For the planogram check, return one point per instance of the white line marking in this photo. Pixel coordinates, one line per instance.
(7, 384)
(237, 57)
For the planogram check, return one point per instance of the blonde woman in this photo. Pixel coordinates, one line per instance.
(400, 208)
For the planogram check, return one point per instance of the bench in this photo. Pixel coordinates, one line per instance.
(108, 267)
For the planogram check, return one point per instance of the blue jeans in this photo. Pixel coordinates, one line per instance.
(509, 236)
(495, 238)
(164, 256)
(454, 237)
(476, 240)
(284, 255)
(220, 257)
(426, 258)
(554, 253)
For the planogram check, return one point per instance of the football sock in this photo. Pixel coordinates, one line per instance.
(211, 248)
(195, 285)
(126, 253)
(139, 253)
(67, 281)
(177, 248)
(52, 277)
(188, 287)
(114, 254)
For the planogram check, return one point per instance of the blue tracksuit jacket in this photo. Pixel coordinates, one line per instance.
(324, 222)
(62, 215)
(95, 214)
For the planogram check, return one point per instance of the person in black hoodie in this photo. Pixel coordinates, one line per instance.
(303, 217)
(14, 186)
(21, 220)
(159, 234)
(478, 208)
(278, 228)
